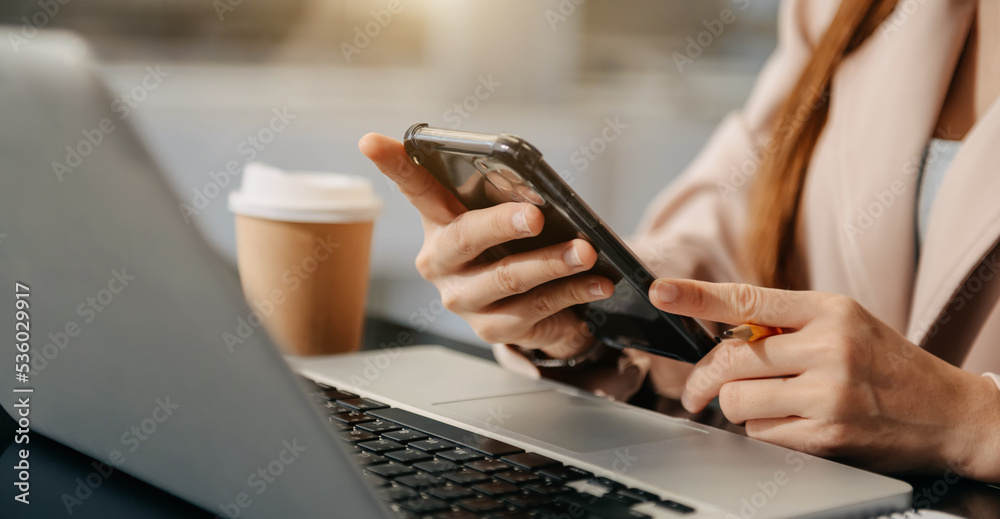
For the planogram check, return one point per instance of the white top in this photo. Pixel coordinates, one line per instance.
(937, 158)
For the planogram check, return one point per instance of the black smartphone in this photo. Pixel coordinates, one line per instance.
(484, 170)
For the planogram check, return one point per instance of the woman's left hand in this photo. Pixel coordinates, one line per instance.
(838, 383)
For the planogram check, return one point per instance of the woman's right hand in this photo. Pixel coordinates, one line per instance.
(521, 299)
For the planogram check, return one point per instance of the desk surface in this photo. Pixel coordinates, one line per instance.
(56, 467)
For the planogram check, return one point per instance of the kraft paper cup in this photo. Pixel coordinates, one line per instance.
(303, 244)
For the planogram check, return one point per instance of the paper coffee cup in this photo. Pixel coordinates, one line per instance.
(303, 244)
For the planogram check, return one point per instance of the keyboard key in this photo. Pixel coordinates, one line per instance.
(405, 435)
(547, 488)
(436, 466)
(489, 466)
(375, 481)
(525, 500)
(396, 493)
(432, 445)
(600, 506)
(355, 436)
(450, 492)
(335, 408)
(369, 458)
(361, 404)
(341, 426)
(390, 470)
(409, 456)
(640, 495)
(609, 484)
(419, 481)
(423, 505)
(378, 426)
(381, 446)
(466, 477)
(460, 455)
(675, 506)
(480, 504)
(566, 473)
(335, 394)
(455, 514)
(530, 460)
(517, 477)
(351, 418)
(623, 499)
(496, 488)
(511, 514)
(449, 432)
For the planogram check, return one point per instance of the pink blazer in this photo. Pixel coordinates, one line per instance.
(859, 205)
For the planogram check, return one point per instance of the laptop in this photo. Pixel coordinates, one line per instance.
(128, 309)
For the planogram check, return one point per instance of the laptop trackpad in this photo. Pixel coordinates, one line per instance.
(567, 421)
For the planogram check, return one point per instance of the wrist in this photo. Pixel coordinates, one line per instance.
(975, 452)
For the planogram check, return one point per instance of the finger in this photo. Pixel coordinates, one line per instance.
(518, 315)
(472, 232)
(776, 356)
(431, 198)
(561, 336)
(805, 435)
(735, 303)
(746, 400)
(508, 357)
(790, 431)
(522, 272)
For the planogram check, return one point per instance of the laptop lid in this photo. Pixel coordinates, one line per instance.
(128, 306)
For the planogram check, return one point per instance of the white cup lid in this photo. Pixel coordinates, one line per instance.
(275, 194)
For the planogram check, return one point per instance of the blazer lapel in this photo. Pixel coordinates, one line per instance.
(887, 97)
(964, 227)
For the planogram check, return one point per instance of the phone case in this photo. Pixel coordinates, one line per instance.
(483, 170)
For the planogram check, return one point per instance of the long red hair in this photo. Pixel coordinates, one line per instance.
(773, 234)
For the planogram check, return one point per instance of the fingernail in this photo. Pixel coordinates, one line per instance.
(572, 257)
(665, 292)
(686, 402)
(595, 289)
(521, 222)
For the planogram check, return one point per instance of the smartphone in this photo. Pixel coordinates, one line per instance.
(484, 170)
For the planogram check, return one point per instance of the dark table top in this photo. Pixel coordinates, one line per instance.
(56, 468)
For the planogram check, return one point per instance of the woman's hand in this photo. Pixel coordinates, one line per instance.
(838, 383)
(520, 299)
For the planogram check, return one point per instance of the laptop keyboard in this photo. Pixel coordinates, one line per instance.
(431, 470)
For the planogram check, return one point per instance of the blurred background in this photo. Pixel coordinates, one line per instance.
(200, 79)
